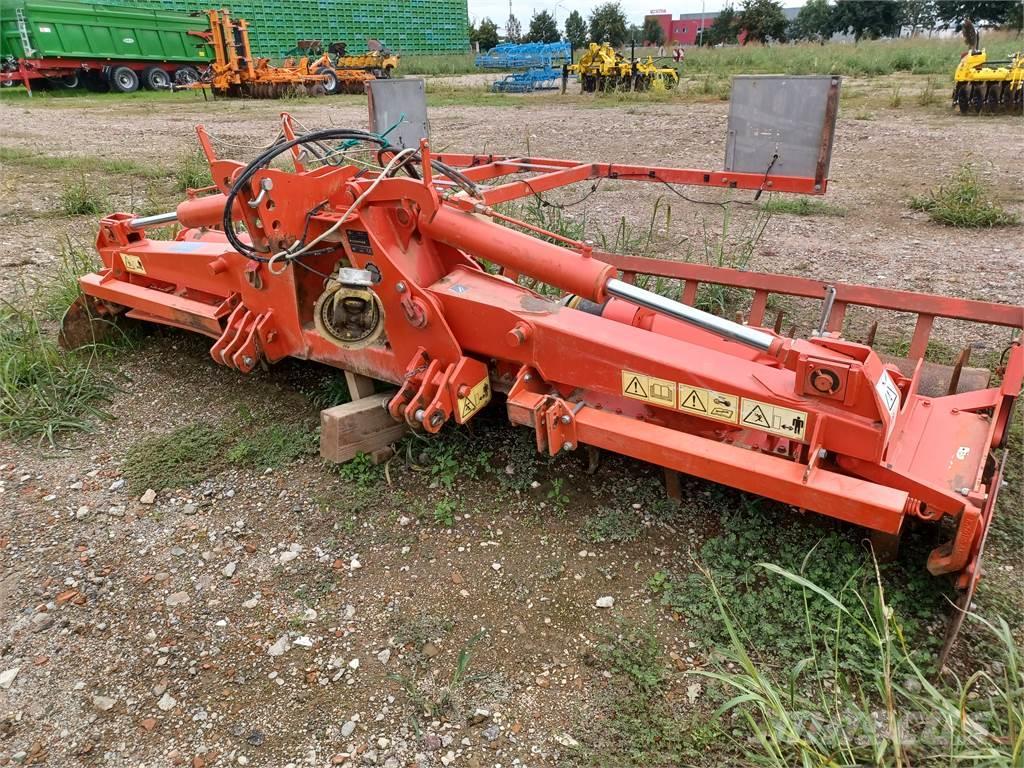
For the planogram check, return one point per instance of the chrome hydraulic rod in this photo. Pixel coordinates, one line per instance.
(718, 325)
(155, 220)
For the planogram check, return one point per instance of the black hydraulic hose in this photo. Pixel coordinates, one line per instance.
(314, 137)
(263, 159)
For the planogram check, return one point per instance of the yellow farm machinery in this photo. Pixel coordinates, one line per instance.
(984, 85)
(343, 72)
(602, 68)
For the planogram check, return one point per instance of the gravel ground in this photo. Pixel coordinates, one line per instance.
(287, 616)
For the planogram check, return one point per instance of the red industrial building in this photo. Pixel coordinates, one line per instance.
(683, 30)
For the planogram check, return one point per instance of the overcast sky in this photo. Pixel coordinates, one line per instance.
(635, 9)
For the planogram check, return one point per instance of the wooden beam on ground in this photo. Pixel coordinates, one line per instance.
(361, 426)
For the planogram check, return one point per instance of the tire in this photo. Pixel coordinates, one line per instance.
(95, 82)
(123, 80)
(186, 75)
(330, 81)
(156, 79)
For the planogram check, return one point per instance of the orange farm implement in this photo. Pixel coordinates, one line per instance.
(347, 73)
(409, 273)
(235, 72)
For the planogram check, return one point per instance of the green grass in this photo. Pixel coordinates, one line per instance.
(965, 202)
(891, 712)
(45, 391)
(801, 206)
(81, 164)
(192, 171)
(864, 59)
(195, 452)
(612, 525)
(772, 610)
(82, 196)
(437, 64)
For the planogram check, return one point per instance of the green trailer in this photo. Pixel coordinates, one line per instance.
(44, 42)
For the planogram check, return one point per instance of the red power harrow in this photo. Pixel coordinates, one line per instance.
(380, 269)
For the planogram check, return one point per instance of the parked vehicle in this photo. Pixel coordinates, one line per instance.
(56, 43)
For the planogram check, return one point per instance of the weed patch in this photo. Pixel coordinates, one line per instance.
(965, 203)
(82, 196)
(196, 451)
(192, 171)
(771, 610)
(45, 391)
(889, 712)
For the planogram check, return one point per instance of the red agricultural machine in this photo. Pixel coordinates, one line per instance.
(408, 273)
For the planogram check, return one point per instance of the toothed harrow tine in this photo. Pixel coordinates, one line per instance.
(869, 340)
(778, 320)
(954, 378)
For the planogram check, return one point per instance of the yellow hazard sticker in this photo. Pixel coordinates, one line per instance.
(785, 422)
(649, 389)
(715, 405)
(474, 400)
(708, 403)
(133, 264)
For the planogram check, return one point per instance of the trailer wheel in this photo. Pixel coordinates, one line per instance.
(186, 76)
(123, 80)
(96, 82)
(330, 81)
(156, 79)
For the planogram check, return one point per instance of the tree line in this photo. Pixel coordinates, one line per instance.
(759, 21)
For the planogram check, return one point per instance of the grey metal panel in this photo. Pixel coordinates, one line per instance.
(791, 119)
(399, 99)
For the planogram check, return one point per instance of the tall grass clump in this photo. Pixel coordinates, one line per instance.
(964, 202)
(81, 196)
(45, 391)
(819, 713)
(192, 171)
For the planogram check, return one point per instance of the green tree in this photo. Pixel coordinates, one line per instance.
(635, 33)
(608, 24)
(576, 30)
(724, 29)
(869, 19)
(996, 12)
(919, 15)
(486, 34)
(653, 32)
(814, 22)
(763, 20)
(513, 30)
(543, 28)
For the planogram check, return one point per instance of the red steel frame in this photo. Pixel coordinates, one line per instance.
(846, 434)
(44, 69)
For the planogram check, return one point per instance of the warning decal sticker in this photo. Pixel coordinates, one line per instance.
(649, 389)
(785, 422)
(133, 264)
(475, 399)
(719, 406)
(708, 403)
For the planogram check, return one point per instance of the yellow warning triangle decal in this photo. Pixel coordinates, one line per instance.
(635, 388)
(756, 416)
(694, 403)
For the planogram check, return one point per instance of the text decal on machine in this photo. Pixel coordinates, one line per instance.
(718, 406)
